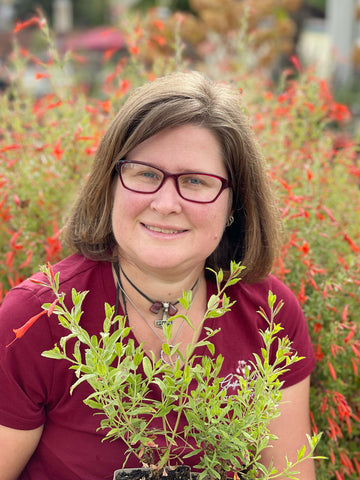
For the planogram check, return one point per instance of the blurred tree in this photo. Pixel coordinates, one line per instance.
(28, 8)
(87, 13)
(317, 6)
(182, 5)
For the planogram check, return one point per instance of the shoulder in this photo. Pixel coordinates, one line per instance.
(268, 284)
(249, 298)
(74, 271)
(291, 315)
(257, 294)
(26, 299)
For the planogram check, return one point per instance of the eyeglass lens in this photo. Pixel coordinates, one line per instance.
(191, 186)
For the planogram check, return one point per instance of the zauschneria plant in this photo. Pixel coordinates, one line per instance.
(228, 432)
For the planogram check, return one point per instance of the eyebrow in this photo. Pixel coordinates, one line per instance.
(175, 173)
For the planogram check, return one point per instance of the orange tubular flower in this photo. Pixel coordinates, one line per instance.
(19, 332)
(29, 23)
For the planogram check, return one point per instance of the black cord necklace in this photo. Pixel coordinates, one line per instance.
(125, 297)
(169, 309)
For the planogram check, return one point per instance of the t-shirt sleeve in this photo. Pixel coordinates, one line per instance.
(25, 376)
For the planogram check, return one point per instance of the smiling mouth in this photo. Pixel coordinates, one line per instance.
(162, 230)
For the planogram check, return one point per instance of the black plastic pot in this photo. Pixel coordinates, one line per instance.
(182, 472)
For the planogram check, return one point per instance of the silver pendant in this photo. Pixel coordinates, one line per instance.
(165, 307)
(160, 322)
(164, 321)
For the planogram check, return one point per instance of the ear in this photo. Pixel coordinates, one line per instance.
(230, 210)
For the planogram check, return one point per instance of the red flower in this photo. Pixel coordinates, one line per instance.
(19, 332)
(159, 24)
(161, 41)
(125, 85)
(344, 313)
(51, 271)
(339, 112)
(355, 350)
(332, 370)
(39, 76)
(109, 53)
(332, 456)
(52, 307)
(357, 466)
(17, 200)
(10, 147)
(352, 244)
(134, 50)
(58, 153)
(296, 63)
(301, 295)
(305, 247)
(317, 327)
(339, 476)
(40, 22)
(318, 353)
(354, 367)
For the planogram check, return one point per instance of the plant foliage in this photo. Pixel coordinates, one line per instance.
(228, 432)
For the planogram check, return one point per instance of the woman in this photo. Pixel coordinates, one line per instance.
(178, 184)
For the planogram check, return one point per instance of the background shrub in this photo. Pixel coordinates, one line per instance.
(47, 144)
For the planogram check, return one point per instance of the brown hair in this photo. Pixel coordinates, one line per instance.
(170, 101)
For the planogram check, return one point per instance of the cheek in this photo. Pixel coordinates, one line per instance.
(213, 224)
(121, 216)
(117, 208)
(126, 205)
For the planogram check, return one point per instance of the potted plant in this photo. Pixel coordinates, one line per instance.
(228, 432)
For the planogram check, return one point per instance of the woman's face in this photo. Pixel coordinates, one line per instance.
(162, 231)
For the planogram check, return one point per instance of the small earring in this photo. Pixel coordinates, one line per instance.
(230, 221)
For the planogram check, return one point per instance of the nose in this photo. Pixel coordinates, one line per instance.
(167, 200)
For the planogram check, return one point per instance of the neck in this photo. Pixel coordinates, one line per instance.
(148, 327)
(158, 285)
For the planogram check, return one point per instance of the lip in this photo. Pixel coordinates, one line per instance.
(163, 229)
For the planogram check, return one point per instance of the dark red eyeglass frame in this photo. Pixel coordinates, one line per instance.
(224, 182)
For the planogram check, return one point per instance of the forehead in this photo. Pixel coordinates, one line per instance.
(187, 147)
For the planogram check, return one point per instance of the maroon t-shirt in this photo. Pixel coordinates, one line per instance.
(34, 390)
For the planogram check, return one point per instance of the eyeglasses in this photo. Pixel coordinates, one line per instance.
(193, 186)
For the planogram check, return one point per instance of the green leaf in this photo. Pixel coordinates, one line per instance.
(166, 348)
(92, 404)
(301, 453)
(148, 370)
(211, 348)
(54, 353)
(77, 353)
(83, 378)
(271, 299)
(213, 302)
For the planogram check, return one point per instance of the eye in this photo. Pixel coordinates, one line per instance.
(194, 180)
(198, 181)
(191, 180)
(147, 174)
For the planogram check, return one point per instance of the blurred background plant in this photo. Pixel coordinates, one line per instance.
(59, 95)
